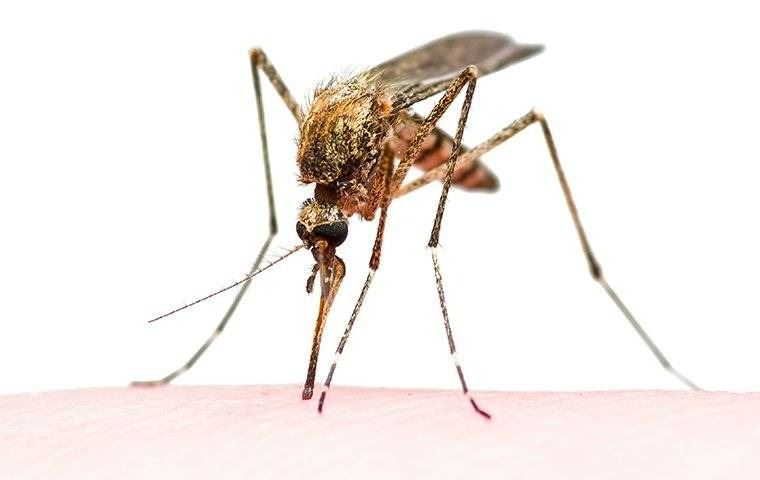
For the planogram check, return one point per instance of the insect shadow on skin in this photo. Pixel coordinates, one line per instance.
(358, 138)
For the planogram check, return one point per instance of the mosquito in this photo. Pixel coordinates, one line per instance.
(358, 138)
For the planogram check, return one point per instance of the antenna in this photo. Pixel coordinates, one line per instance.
(242, 280)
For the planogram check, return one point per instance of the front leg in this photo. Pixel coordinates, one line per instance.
(467, 77)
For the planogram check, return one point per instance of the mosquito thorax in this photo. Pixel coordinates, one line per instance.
(343, 131)
(321, 220)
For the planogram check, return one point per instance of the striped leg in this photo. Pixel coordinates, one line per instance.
(467, 77)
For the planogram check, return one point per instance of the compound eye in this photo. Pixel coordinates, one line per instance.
(335, 233)
(301, 230)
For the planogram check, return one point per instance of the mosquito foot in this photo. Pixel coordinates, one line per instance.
(308, 392)
(479, 410)
(147, 383)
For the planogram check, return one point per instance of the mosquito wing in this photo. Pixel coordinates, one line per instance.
(428, 69)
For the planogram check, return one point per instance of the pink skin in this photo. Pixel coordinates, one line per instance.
(269, 432)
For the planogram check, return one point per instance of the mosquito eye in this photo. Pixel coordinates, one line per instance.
(335, 232)
(301, 230)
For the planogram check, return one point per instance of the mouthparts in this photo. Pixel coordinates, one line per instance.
(331, 273)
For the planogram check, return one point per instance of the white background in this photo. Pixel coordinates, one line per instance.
(132, 183)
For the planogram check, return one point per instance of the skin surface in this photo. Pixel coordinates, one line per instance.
(269, 432)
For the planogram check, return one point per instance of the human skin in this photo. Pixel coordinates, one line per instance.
(269, 432)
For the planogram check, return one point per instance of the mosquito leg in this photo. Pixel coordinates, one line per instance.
(467, 77)
(594, 267)
(258, 61)
(433, 243)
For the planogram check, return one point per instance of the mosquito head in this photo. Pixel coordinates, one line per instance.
(321, 221)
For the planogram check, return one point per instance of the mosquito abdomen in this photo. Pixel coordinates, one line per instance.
(436, 150)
